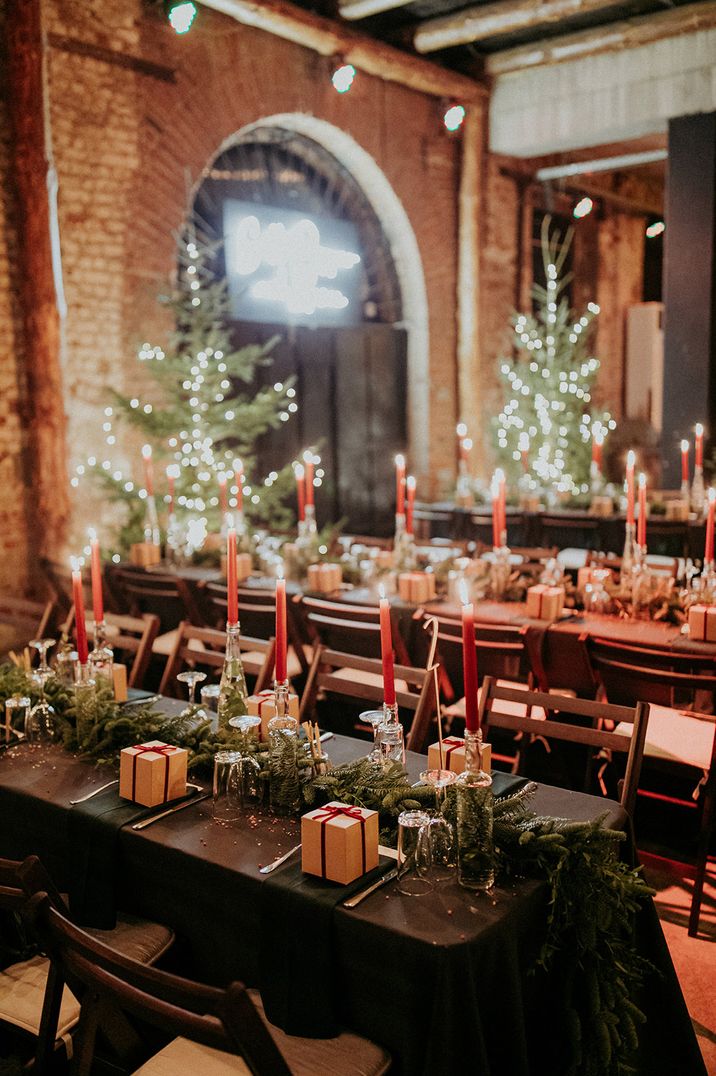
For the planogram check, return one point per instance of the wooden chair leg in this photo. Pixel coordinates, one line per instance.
(48, 1021)
(707, 825)
(86, 1037)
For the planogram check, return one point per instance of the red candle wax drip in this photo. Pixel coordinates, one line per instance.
(232, 596)
(469, 665)
(281, 674)
(386, 649)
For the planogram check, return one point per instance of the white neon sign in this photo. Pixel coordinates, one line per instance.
(298, 260)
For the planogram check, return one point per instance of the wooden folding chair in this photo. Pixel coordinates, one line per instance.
(204, 1023)
(257, 614)
(167, 596)
(204, 648)
(32, 999)
(352, 677)
(351, 628)
(22, 620)
(131, 637)
(679, 738)
(554, 727)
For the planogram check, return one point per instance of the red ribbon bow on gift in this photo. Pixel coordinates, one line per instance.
(327, 813)
(164, 750)
(452, 743)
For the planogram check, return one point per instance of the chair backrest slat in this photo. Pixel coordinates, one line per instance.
(198, 647)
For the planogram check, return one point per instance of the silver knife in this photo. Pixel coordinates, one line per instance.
(172, 810)
(277, 862)
(358, 897)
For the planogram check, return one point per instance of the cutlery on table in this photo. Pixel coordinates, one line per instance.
(277, 862)
(171, 810)
(102, 788)
(358, 897)
(325, 736)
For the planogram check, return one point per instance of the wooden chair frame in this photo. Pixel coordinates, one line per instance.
(26, 615)
(657, 674)
(421, 701)
(133, 634)
(261, 602)
(632, 746)
(211, 656)
(140, 586)
(103, 979)
(320, 614)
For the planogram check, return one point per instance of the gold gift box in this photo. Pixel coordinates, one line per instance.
(678, 510)
(454, 755)
(416, 587)
(324, 578)
(545, 603)
(119, 681)
(702, 623)
(152, 773)
(602, 506)
(244, 566)
(263, 705)
(339, 842)
(144, 554)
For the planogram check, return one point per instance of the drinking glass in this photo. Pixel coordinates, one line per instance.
(17, 717)
(251, 784)
(443, 847)
(389, 742)
(374, 718)
(227, 786)
(191, 678)
(210, 698)
(42, 715)
(414, 861)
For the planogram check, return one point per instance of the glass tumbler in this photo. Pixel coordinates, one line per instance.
(227, 804)
(414, 860)
(18, 719)
(389, 742)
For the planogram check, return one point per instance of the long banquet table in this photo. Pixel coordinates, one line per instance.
(441, 981)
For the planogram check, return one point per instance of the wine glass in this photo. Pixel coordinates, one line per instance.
(373, 718)
(441, 833)
(191, 678)
(42, 715)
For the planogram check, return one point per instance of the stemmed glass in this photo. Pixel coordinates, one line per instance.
(441, 832)
(374, 718)
(42, 714)
(191, 678)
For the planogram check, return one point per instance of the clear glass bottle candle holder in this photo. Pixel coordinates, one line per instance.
(281, 694)
(85, 709)
(101, 658)
(475, 849)
(284, 776)
(233, 694)
(390, 742)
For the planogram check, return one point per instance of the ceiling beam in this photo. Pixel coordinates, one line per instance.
(362, 9)
(602, 164)
(491, 20)
(329, 38)
(627, 33)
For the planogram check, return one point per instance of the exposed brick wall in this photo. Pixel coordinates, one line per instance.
(13, 522)
(128, 145)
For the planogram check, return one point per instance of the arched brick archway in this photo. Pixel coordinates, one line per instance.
(400, 237)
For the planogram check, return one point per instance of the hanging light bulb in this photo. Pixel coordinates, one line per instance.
(342, 78)
(583, 208)
(181, 15)
(453, 118)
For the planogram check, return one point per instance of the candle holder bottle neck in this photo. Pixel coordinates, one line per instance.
(233, 694)
(281, 693)
(686, 490)
(399, 527)
(310, 524)
(390, 713)
(101, 659)
(630, 547)
(151, 522)
(476, 860)
(698, 491)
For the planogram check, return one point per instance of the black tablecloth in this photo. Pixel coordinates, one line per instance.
(441, 981)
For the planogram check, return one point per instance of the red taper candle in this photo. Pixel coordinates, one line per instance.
(409, 503)
(709, 547)
(79, 603)
(232, 596)
(597, 442)
(301, 490)
(496, 513)
(699, 447)
(148, 470)
(631, 460)
(386, 650)
(310, 464)
(641, 530)
(400, 485)
(469, 666)
(281, 642)
(97, 598)
(684, 461)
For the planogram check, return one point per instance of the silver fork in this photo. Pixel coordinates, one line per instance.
(102, 788)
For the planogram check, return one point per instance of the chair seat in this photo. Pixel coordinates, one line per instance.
(164, 644)
(138, 939)
(676, 737)
(22, 992)
(360, 676)
(345, 1055)
(499, 706)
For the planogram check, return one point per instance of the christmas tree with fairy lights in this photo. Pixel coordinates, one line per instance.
(546, 426)
(202, 421)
